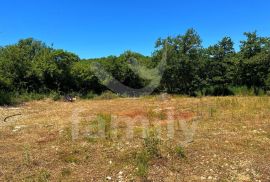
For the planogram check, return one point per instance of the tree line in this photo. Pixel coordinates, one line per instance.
(191, 69)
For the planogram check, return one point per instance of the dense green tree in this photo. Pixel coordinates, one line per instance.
(254, 65)
(32, 66)
(64, 61)
(183, 61)
(16, 63)
(221, 66)
(85, 79)
(253, 45)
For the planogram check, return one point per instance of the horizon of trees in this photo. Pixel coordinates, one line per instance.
(32, 66)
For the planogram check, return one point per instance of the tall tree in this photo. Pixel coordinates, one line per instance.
(254, 66)
(221, 65)
(183, 53)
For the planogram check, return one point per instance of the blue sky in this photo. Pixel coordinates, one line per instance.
(96, 28)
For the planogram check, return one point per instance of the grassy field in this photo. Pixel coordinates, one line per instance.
(154, 138)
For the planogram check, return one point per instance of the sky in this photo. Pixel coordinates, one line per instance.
(98, 28)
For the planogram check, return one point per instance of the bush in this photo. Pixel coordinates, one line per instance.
(55, 96)
(108, 95)
(218, 91)
(142, 160)
(243, 91)
(5, 98)
(28, 96)
(20, 97)
(12, 98)
(151, 144)
(150, 150)
(89, 95)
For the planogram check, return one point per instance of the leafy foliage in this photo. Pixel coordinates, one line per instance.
(32, 66)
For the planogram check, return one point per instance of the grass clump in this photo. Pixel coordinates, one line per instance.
(179, 150)
(150, 150)
(142, 164)
(44, 176)
(105, 121)
(65, 172)
(67, 134)
(152, 115)
(71, 159)
(152, 144)
(26, 155)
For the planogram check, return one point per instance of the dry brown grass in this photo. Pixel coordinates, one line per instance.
(231, 143)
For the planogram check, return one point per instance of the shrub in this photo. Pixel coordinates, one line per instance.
(89, 95)
(142, 159)
(243, 91)
(149, 151)
(106, 121)
(5, 98)
(43, 176)
(180, 152)
(108, 95)
(55, 96)
(218, 91)
(28, 96)
(152, 144)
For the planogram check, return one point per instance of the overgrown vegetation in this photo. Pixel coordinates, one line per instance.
(30, 66)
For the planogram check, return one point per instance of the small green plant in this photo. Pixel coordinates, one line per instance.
(26, 155)
(66, 133)
(152, 144)
(212, 111)
(142, 160)
(179, 150)
(71, 159)
(43, 176)
(162, 115)
(268, 135)
(152, 115)
(91, 140)
(106, 122)
(66, 172)
(150, 150)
